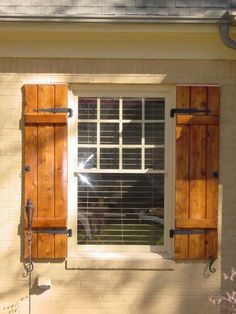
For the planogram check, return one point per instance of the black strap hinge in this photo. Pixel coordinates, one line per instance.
(174, 232)
(68, 232)
(56, 110)
(174, 111)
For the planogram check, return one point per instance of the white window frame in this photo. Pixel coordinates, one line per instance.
(144, 91)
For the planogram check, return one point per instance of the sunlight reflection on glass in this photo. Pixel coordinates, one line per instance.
(82, 165)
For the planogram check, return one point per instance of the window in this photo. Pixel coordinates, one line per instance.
(123, 174)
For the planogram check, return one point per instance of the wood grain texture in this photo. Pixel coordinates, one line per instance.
(61, 171)
(49, 223)
(30, 98)
(198, 98)
(195, 223)
(182, 173)
(181, 247)
(213, 103)
(197, 172)
(45, 171)
(33, 118)
(45, 246)
(197, 187)
(202, 147)
(212, 168)
(200, 120)
(46, 153)
(60, 246)
(197, 246)
(211, 244)
(30, 159)
(182, 97)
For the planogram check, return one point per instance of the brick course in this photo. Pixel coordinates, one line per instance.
(112, 7)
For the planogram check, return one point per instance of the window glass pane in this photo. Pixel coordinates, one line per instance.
(87, 108)
(121, 209)
(131, 158)
(109, 133)
(109, 158)
(132, 109)
(154, 133)
(154, 109)
(109, 108)
(87, 158)
(154, 158)
(87, 133)
(116, 207)
(132, 133)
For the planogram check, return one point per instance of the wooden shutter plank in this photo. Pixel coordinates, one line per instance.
(181, 247)
(49, 222)
(46, 118)
(198, 98)
(212, 170)
(45, 245)
(60, 246)
(182, 173)
(195, 223)
(197, 172)
(45, 172)
(197, 187)
(191, 119)
(211, 244)
(61, 157)
(30, 98)
(197, 246)
(30, 159)
(212, 187)
(197, 210)
(61, 162)
(213, 103)
(183, 97)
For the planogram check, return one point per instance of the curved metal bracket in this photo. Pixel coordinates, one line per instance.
(211, 262)
(29, 267)
(225, 37)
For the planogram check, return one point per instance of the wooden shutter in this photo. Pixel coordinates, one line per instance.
(45, 138)
(197, 168)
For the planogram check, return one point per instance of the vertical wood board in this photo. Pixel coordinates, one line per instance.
(61, 169)
(182, 172)
(198, 98)
(30, 159)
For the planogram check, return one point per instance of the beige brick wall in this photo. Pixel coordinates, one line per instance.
(180, 291)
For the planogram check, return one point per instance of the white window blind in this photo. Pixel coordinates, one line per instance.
(121, 171)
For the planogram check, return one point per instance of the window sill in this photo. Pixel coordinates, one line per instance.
(120, 260)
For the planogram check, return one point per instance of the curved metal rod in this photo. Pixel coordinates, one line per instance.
(29, 267)
(211, 262)
(225, 37)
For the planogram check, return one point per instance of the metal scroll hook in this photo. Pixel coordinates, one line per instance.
(211, 262)
(29, 266)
